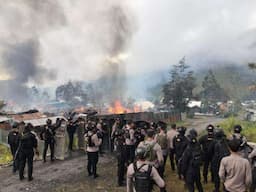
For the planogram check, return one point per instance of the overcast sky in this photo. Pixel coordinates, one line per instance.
(74, 36)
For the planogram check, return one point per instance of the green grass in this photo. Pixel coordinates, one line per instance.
(249, 128)
(5, 155)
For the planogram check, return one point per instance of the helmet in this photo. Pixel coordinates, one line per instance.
(49, 121)
(162, 124)
(182, 130)
(210, 128)
(219, 133)
(15, 125)
(192, 135)
(141, 153)
(237, 128)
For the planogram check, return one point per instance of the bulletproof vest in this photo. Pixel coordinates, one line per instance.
(162, 141)
(180, 145)
(90, 143)
(142, 179)
(27, 141)
(13, 138)
(196, 157)
(127, 133)
(49, 133)
(222, 149)
(150, 152)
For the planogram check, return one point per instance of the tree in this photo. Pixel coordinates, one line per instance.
(179, 90)
(212, 92)
(72, 92)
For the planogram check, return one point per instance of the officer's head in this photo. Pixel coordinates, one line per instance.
(181, 130)
(131, 123)
(153, 125)
(210, 129)
(219, 134)
(234, 145)
(28, 127)
(162, 125)
(15, 125)
(150, 133)
(173, 126)
(141, 153)
(48, 121)
(192, 136)
(237, 129)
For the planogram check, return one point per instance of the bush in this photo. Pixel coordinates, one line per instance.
(249, 128)
(5, 156)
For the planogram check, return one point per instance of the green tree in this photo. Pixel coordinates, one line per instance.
(179, 90)
(212, 92)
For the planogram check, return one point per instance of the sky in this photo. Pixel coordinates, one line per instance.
(73, 40)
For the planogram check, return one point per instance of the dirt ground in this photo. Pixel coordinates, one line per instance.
(70, 175)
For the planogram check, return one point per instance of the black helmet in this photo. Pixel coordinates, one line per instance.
(237, 128)
(182, 130)
(49, 121)
(192, 135)
(141, 153)
(162, 124)
(15, 125)
(210, 128)
(219, 133)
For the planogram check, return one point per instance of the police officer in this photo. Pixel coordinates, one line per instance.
(13, 141)
(140, 175)
(154, 151)
(244, 148)
(220, 150)
(190, 163)
(180, 143)
(71, 129)
(48, 135)
(119, 145)
(93, 143)
(161, 139)
(28, 143)
(130, 141)
(206, 142)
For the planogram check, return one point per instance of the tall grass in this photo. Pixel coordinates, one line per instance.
(249, 128)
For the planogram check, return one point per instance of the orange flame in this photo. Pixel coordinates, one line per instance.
(118, 108)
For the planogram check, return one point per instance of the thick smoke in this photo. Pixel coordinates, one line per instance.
(71, 40)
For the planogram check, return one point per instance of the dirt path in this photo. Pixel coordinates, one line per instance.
(70, 175)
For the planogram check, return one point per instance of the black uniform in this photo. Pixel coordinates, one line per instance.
(180, 143)
(48, 135)
(207, 143)
(190, 166)
(28, 142)
(71, 129)
(119, 141)
(220, 151)
(13, 141)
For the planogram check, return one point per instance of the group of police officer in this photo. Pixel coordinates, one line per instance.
(187, 152)
(141, 150)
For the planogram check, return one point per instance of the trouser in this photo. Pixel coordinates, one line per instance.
(216, 179)
(71, 140)
(162, 167)
(207, 163)
(120, 168)
(178, 166)
(15, 158)
(130, 153)
(193, 177)
(26, 156)
(253, 186)
(171, 156)
(93, 158)
(46, 144)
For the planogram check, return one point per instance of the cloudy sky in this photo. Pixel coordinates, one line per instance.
(75, 38)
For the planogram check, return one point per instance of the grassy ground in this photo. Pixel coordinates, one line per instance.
(5, 155)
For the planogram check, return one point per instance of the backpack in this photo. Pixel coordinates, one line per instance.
(196, 159)
(150, 152)
(162, 141)
(90, 143)
(142, 180)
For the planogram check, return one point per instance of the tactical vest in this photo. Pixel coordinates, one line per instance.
(142, 180)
